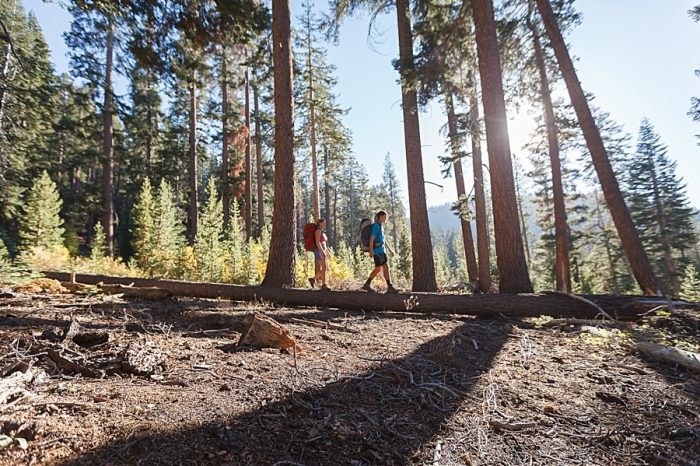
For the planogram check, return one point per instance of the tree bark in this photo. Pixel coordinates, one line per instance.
(281, 263)
(225, 169)
(521, 213)
(509, 244)
(421, 243)
(327, 192)
(107, 147)
(315, 207)
(489, 305)
(467, 238)
(193, 199)
(632, 245)
(561, 228)
(259, 160)
(248, 164)
(482, 221)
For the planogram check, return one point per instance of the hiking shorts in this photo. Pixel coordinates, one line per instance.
(380, 259)
(317, 255)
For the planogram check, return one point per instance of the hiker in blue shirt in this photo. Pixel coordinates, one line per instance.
(376, 251)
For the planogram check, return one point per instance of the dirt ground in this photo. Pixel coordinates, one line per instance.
(386, 388)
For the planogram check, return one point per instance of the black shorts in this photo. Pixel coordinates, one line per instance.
(380, 259)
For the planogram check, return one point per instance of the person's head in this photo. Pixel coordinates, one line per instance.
(321, 223)
(380, 217)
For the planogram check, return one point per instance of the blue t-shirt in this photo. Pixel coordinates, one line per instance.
(378, 233)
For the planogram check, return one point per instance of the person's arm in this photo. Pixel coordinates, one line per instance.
(390, 249)
(371, 246)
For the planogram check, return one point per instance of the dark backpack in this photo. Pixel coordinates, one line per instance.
(365, 233)
(310, 236)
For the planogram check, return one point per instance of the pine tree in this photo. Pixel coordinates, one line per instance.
(690, 287)
(145, 230)
(397, 213)
(403, 261)
(630, 240)
(659, 206)
(169, 234)
(234, 245)
(27, 89)
(41, 225)
(208, 242)
(97, 244)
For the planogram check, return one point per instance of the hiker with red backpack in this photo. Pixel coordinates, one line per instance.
(374, 246)
(315, 240)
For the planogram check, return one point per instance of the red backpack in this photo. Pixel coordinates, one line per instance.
(310, 236)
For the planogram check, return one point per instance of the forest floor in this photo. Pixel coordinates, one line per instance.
(382, 388)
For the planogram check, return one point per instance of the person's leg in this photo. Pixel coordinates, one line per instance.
(322, 271)
(389, 286)
(374, 273)
(387, 277)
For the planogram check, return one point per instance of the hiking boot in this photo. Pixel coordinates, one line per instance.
(391, 290)
(325, 288)
(366, 287)
(312, 282)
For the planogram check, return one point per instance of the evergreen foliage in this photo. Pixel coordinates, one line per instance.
(208, 244)
(690, 287)
(659, 205)
(41, 225)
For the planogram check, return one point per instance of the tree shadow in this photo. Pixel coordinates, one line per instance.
(387, 414)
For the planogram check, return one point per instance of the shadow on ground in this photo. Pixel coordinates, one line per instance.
(385, 415)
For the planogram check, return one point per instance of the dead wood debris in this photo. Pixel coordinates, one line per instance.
(263, 331)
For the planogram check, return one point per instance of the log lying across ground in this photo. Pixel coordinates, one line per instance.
(521, 305)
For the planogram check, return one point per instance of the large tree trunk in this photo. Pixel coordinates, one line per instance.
(467, 237)
(327, 191)
(248, 164)
(315, 207)
(524, 305)
(641, 267)
(259, 160)
(193, 199)
(107, 147)
(561, 228)
(423, 263)
(509, 244)
(225, 185)
(482, 221)
(281, 263)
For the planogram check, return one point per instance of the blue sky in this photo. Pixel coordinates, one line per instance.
(636, 56)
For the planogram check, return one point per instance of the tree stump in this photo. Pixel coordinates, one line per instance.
(143, 357)
(262, 331)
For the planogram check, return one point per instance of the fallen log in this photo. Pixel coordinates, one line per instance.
(139, 292)
(490, 305)
(671, 355)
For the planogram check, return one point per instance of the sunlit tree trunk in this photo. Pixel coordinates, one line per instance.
(561, 228)
(467, 237)
(509, 244)
(423, 262)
